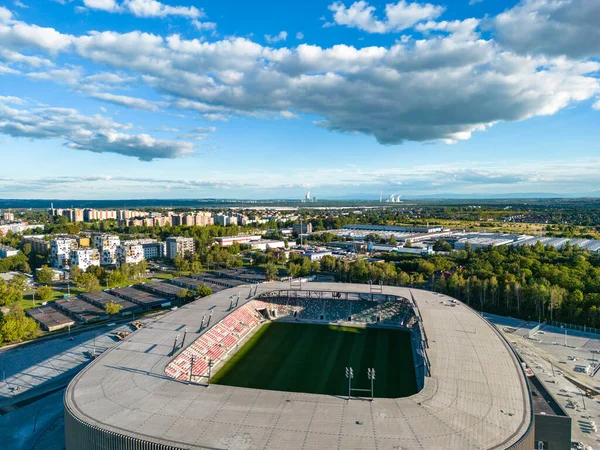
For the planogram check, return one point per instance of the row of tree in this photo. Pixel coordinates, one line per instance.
(528, 282)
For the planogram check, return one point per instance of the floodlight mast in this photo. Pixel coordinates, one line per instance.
(349, 375)
(371, 375)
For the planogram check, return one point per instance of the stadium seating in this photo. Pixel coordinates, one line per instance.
(216, 342)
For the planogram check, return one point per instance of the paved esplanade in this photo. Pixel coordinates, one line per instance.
(476, 396)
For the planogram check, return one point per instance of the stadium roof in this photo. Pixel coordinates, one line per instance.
(476, 396)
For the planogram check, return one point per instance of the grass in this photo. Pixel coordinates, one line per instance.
(312, 358)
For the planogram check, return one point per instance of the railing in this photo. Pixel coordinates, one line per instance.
(570, 326)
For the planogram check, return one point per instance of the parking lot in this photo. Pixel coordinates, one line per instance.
(551, 360)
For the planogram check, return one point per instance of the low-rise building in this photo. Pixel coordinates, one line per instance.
(179, 246)
(85, 257)
(226, 241)
(7, 252)
(58, 274)
(316, 256)
(266, 244)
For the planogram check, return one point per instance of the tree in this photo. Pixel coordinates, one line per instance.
(44, 293)
(184, 294)
(88, 282)
(15, 326)
(294, 270)
(270, 271)
(442, 246)
(74, 271)
(45, 275)
(19, 282)
(392, 240)
(204, 291)
(181, 264)
(9, 294)
(113, 308)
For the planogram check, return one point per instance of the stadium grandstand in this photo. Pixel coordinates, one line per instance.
(284, 365)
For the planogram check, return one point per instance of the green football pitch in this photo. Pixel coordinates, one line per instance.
(312, 358)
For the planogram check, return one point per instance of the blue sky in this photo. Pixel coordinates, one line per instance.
(187, 99)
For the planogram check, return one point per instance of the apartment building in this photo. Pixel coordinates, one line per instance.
(302, 228)
(60, 252)
(18, 227)
(8, 217)
(74, 215)
(38, 245)
(152, 248)
(98, 214)
(107, 245)
(129, 254)
(226, 219)
(179, 246)
(85, 257)
(126, 214)
(204, 218)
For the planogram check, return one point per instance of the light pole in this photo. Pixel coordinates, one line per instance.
(192, 367)
(210, 364)
(583, 398)
(349, 375)
(371, 375)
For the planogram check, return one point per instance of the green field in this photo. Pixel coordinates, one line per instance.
(312, 358)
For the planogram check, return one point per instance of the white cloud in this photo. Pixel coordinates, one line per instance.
(11, 99)
(596, 105)
(288, 115)
(282, 36)
(103, 5)
(204, 130)
(70, 76)
(124, 100)
(91, 133)
(5, 15)
(7, 70)
(399, 16)
(566, 27)
(145, 8)
(204, 26)
(299, 35)
(20, 4)
(444, 86)
(109, 78)
(153, 8)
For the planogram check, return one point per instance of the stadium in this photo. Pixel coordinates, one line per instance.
(306, 366)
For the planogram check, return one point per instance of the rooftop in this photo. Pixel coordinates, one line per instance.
(476, 396)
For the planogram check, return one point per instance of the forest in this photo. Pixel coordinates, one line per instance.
(532, 283)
